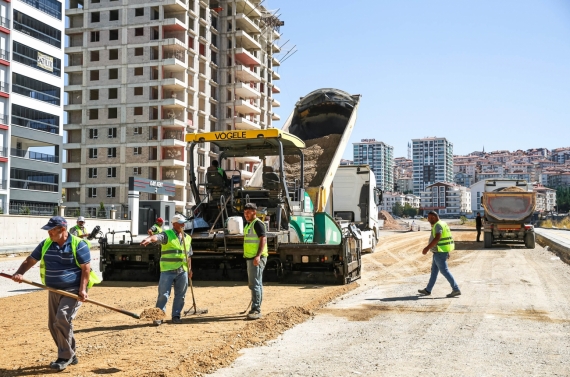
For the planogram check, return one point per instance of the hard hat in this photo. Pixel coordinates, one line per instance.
(159, 220)
(81, 218)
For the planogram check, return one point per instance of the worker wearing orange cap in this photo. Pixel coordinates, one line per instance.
(157, 227)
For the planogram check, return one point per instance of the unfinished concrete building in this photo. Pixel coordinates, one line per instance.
(141, 74)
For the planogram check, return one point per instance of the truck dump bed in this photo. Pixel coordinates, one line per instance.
(324, 120)
(505, 206)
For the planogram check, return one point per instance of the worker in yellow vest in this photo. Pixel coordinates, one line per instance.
(64, 264)
(441, 244)
(157, 227)
(175, 266)
(255, 254)
(79, 230)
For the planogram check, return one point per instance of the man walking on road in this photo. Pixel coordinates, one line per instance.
(478, 225)
(175, 266)
(65, 265)
(255, 254)
(440, 243)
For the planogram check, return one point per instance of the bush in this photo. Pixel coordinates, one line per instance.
(463, 220)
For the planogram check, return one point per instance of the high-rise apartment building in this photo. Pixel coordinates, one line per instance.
(380, 157)
(141, 74)
(31, 105)
(433, 162)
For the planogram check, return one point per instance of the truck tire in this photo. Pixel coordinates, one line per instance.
(529, 241)
(487, 240)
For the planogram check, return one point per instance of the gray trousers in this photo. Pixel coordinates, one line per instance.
(62, 310)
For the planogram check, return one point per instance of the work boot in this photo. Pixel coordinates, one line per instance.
(424, 292)
(157, 322)
(176, 320)
(61, 364)
(454, 293)
(74, 361)
(254, 314)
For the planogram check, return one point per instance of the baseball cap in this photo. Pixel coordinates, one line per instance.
(178, 219)
(81, 218)
(250, 206)
(159, 220)
(433, 213)
(55, 222)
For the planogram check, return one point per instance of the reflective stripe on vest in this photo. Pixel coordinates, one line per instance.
(251, 241)
(80, 231)
(172, 255)
(158, 229)
(445, 243)
(93, 278)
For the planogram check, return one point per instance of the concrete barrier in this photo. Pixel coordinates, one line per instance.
(561, 250)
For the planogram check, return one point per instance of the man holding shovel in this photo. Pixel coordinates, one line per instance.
(255, 255)
(64, 265)
(175, 266)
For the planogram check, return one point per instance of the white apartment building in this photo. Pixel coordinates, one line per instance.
(31, 105)
(389, 199)
(446, 199)
(144, 74)
(546, 199)
(380, 157)
(433, 162)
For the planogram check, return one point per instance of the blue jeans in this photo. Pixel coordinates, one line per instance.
(180, 280)
(255, 283)
(439, 264)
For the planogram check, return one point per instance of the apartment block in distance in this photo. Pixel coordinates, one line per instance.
(31, 105)
(433, 162)
(141, 74)
(380, 157)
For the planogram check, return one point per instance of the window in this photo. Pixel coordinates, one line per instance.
(139, 51)
(137, 151)
(36, 29)
(114, 35)
(29, 56)
(35, 89)
(94, 75)
(111, 192)
(138, 130)
(38, 120)
(137, 171)
(93, 94)
(92, 152)
(93, 133)
(92, 172)
(95, 1)
(33, 180)
(114, 15)
(113, 73)
(139, 12)
(112, 172)
(95, 36)
(139, 32)
(114, 54)
(112, 132)
(95, 16)
(93, 114)
(113, 93)
(138, 71)
(112, 152)
(51, 7)
(139, 91)
(138, 110)
(94, 56)
(112, 114)
(92, 192)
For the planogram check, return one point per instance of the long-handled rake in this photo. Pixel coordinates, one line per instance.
(250, 302)
(196, 310)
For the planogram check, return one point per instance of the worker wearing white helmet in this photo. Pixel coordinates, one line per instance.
(79, 230)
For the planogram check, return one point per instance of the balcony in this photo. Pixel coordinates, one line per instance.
(173, 23)
(275, 62)
(275, 103)
(33, 185)
(242, 123)
(4, 57)
(275, 89)
(5, 24)
(246, 107)
(275, 48)
(243, 22)
(174, 5)
(247, 41)
(245, 74)
(245, 57)
(248, 8)
(22, 153)
(275, 75)
(275, 116)
(246, 90)
(172, 138)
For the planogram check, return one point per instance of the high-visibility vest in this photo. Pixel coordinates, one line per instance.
(222, 172)
(93, 278)
(80, 231)
(173, 256)
(158, 229)
(251, 241)
(445, 243)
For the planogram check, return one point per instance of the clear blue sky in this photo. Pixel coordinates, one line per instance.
(492, 73)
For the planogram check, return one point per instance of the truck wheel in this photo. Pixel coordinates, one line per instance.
(487, 240)
(529, 241)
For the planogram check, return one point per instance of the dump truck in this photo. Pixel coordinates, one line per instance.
(291, 189)
(356, 199)
(509, 206)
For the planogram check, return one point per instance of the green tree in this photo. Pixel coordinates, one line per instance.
(563, 199)
(397, 209)
(409, 210)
